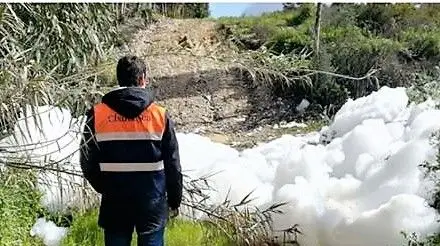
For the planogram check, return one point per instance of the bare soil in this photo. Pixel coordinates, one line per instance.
(192, 75)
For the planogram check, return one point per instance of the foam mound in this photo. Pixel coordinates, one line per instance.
(47, 138)
(50, 234)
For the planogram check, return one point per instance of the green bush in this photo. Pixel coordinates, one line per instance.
(304, 13)
(355, 58)
(334, 35)
(264, 32)
(275, 30)
(339, 15)
(376, 18)
(19, 206)
(425, 86)
(65, 37)
(277, 18)
(288, 40)
(182, 10)
(49, 51)
(423, 43)
(354, 54)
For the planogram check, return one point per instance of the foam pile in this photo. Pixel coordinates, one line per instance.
(50, 234)
(356, 182)
(48, 137)
(362, 188)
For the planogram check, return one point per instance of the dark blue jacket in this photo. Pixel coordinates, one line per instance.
(130, 199)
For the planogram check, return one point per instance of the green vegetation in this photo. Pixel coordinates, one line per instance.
(395, 41)
(43, 57)
(85, 231)
(20, 207)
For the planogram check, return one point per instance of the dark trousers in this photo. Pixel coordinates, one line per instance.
(113, 238)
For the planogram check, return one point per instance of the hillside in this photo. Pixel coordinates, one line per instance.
(193, 74)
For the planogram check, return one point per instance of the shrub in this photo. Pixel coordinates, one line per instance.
(273, 30)
(376, 18)
(48, 51)
(425, 86)
(354, 54)
(19, 205)
(339, 15)
(424, 44)
(334, 35)
(287, 40)
(305, 12)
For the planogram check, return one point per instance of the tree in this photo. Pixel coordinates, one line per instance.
(317, 28)
(182, 10)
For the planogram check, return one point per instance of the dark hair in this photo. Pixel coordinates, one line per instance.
(129, 70)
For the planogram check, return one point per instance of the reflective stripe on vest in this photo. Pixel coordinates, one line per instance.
(109, 136)
(131, 167)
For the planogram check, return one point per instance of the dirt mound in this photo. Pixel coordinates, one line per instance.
(192, 76)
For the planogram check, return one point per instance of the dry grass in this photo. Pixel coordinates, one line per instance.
(173, 47)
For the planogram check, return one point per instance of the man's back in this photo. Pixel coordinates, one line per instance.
(130, 155)
(129, 128)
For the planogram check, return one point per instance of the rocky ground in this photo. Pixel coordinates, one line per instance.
(192, 75)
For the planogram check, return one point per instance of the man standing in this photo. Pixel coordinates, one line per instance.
(130, 155)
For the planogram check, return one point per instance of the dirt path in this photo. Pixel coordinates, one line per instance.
(189, 68)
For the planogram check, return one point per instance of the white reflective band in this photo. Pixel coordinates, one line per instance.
(109, 136)
(131, 167)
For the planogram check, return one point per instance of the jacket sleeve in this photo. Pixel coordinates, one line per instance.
(173, 172)
(89, 154)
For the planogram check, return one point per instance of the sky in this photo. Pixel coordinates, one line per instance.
(238, 9)
(227, 9)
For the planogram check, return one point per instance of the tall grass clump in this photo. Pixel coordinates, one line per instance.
(62, 37)
(54, 54)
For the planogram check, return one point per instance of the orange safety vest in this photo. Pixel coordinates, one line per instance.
(111, 126)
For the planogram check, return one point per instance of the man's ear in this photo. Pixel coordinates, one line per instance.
(143, 81)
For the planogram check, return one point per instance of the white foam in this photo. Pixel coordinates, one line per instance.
(48, 137)
(387, 103)
(48, 232)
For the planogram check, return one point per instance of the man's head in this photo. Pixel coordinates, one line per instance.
(131, 71)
